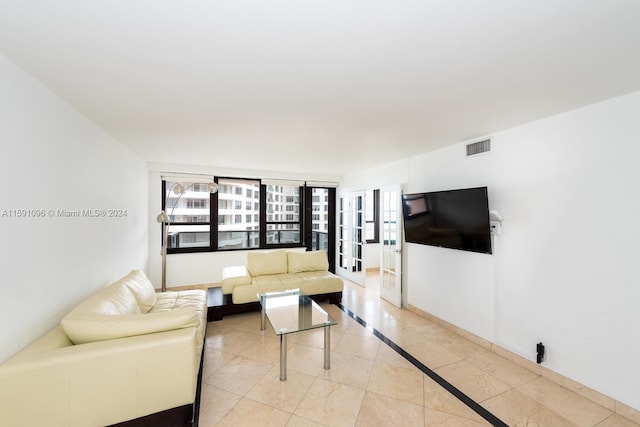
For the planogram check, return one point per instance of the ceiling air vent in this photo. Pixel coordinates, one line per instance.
(479, 147)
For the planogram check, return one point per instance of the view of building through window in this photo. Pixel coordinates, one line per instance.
(239, 215)
(371, 216)
(320, 218)
(188, 215)
(283, 214)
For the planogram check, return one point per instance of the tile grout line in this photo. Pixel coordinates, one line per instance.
(472, 404)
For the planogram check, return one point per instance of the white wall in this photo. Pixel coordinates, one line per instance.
(54, 158)
(564, 270)
(371, 255)
(202, 267)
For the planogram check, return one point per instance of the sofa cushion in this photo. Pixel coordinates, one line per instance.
(90, 327)
(309, 283)
(299, 262)
(141, 288)
(271, 279)
(233, 276)
(264, 263)
(115, 312)
(114, 299)
(195, 299)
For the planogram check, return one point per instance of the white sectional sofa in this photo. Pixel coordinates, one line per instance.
(277, 270)
(124, 353)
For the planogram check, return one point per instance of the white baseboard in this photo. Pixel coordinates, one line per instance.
(589, 393)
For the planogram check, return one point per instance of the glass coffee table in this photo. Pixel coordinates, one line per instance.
(290, 312)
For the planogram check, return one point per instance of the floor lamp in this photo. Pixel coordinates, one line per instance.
(179, 190)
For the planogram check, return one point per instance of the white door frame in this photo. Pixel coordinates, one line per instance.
(391, 244)
(351, 237)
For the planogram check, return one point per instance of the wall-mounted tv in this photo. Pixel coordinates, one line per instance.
(456, 219)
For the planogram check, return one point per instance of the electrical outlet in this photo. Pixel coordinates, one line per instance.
(539, 352)
(495, 227)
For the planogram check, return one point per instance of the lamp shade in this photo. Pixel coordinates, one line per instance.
(162, 217)
(178, 188)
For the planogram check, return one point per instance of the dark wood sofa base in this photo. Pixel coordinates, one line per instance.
(181, 416)
(220, 305)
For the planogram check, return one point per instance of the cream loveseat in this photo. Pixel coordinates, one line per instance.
(273, 271)
(124, 353)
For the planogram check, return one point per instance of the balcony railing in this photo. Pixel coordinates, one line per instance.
(245, 239)
(188, 239)
(238, 239)
(319, 241)
(283, 236)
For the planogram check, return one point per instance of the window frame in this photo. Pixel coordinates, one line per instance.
(262, 208)
(376, 218)
(264, 223)
(331, 223)
(215, 213)
(192, 249)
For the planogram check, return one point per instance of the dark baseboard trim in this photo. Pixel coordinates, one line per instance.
(475, 406)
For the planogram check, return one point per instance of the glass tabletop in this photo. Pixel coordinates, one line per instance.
(292, 311)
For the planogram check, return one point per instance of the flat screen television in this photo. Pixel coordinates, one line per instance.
(456, 219)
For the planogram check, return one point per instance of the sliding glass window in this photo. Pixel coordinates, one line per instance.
(189, 216)
(283, 219)
(248, 214)
(238, 214)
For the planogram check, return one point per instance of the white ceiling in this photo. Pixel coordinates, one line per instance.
(327, 86)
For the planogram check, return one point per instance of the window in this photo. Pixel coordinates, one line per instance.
(198, 203)
(189, 216)
(372, 216)
(283, 229)
(320, 229)
(233, 233)
(246, 214)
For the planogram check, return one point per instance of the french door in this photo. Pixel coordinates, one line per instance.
(351, 237)
(391, 245)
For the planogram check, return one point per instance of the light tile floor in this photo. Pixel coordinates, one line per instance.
(369, 384)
